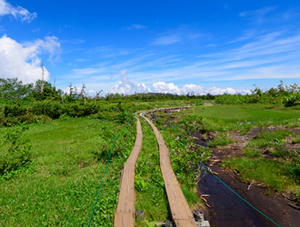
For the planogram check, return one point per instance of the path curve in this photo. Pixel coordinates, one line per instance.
(180, 211)
(124, 215)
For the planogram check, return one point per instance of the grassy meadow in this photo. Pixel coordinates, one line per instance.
(53, 155)
(60, 185)
(266, 158)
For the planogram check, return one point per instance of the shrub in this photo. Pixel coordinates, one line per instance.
(292, 99)
(81, 110)
(106, 115)
(14, 110)
(15, 151)
(122, 117)
(49, 108)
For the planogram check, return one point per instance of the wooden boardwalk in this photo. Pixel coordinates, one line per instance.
(124, 215)
(125, 212)
(180, 211)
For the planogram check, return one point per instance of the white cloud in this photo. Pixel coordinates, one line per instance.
(92, 92)
(136, 27)
(75, 90)
(162, 87)
(263, 55)
(17, 12)
(127, 87)
(257, 15)
(22, 61)
(167, 40)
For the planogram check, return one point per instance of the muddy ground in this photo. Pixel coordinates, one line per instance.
(273, 204)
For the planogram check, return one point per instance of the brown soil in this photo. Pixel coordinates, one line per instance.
(273, 204)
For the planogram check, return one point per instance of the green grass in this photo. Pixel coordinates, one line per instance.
(274, 136)
(273, 174)
(244, 117)
(279, 170)
(182, 158)
(149, 185)
(221, 139)
(296, 140)
(62, 183)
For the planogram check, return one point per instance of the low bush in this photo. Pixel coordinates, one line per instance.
(14, 110)
(15, 151)
(80, 109)
(49, 108)
(292, 99)
(106, 115)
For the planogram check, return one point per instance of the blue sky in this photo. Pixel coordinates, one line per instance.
(160, 46)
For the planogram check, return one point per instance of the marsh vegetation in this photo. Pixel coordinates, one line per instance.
(54, 149)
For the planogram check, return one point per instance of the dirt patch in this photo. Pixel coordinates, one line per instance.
(253, 132)
(296, 130)
(199, 138)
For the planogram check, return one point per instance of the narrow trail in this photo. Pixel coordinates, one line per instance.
(181, 214)
(124, 215)
(125, 212)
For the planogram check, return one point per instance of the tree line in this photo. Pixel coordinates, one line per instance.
(42, 101)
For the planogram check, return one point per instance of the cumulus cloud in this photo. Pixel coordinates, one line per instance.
(22, 60)
(128, 87)
(17, 12)
(162, 87)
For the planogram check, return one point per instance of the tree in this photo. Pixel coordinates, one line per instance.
(42, 87)
(97, 95)
(82, 93)
(49, 92)
(13, 89)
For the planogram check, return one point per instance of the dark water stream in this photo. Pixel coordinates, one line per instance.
(226, 208)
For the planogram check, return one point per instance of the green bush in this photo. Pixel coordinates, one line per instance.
(123, 117)
(14, 110)
(55, 109)
(49, 108)
(15, 151)
(292, 99)
(106, 115)
(77, 109)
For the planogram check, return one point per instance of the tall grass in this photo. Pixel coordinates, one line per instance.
(62, 185)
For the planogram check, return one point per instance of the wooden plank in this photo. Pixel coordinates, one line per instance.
(124, 215)
(180, 211)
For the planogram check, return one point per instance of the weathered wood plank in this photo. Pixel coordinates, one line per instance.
(124, 215)
(180, 211)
